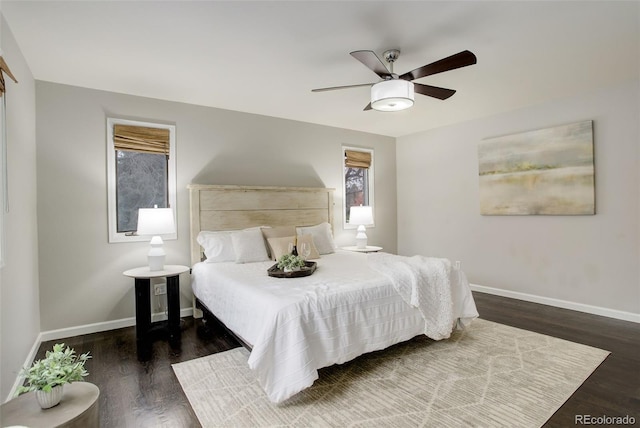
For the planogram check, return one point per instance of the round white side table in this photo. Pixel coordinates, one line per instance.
(367, 249)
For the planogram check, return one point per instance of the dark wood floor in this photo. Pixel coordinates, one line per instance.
(134, 394)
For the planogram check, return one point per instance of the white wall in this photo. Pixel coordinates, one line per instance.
(81, 278)
(20, 311)
(591, 260)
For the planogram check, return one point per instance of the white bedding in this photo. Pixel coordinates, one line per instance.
(298, 325)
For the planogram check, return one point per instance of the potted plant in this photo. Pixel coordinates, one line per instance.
(289, 262)
(47, 376)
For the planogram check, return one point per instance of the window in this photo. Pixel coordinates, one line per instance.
(358, 180)
(141, 173)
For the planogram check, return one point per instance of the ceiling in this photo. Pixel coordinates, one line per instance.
(264, 57)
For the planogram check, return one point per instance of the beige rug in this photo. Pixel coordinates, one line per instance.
(490, 375)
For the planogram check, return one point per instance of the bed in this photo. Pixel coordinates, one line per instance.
(353, 303)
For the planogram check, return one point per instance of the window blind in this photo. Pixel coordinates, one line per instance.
(141, 139)
(356, 159)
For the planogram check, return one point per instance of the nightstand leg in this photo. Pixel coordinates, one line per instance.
(143, 318)
(173, 309)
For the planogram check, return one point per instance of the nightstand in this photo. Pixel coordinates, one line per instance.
(367, 249)
(146, 331)
(79, 408)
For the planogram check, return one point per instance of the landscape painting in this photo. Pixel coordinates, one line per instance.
(544, 172)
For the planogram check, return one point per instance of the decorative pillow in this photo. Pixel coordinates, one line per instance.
(277, 232)
(248, 245)
(322, 237)
(217, 246)
(280, 246)
(308, 239)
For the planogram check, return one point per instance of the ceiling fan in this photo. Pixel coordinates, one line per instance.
(396, 92)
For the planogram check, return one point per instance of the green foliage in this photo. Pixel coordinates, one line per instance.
(289, 261)
(60, 366)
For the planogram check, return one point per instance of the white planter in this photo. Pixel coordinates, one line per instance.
(50, 399)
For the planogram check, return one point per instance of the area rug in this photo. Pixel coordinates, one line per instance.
(489, 375)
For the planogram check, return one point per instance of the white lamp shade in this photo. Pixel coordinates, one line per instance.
(392, 95)
(361, 215)
(155, 221)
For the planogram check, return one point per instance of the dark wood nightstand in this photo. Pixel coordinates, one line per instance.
(146, 331)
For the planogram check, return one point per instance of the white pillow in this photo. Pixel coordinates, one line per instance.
(218, 246)
(313, 253)
(322, 237)
(248, 245)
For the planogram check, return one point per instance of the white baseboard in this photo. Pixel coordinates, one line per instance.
(104, 326)
(580, 307)
(80, 330)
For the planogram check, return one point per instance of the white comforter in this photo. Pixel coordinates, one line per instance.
(299, 325)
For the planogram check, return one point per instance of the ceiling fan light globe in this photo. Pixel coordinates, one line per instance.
(392, 95)
(392, 104)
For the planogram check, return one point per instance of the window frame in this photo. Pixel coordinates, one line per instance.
(370, 186)
(114, 235)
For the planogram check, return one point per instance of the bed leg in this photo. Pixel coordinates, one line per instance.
(197, 313)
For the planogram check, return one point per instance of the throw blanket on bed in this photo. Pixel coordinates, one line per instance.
(424, 283)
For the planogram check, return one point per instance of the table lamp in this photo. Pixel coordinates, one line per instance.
(361, 215)
(155, 222)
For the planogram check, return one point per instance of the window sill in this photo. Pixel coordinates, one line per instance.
(121, 237)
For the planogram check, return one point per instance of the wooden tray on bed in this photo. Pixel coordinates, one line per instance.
(308, 269)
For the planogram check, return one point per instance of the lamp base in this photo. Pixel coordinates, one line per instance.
(156, 254)
(361, 238)
(156, 263)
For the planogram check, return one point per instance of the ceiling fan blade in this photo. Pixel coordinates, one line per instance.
(461, 59)
(433, 91)
(368, 107)
(372, 62)
(334, 88)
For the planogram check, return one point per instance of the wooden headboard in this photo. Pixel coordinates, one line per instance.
(221, 207)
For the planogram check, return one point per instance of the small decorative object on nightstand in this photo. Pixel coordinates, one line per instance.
(48, 376)
(144, 327)
(367, 249)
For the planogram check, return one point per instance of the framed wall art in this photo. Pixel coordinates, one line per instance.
(543, 172)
